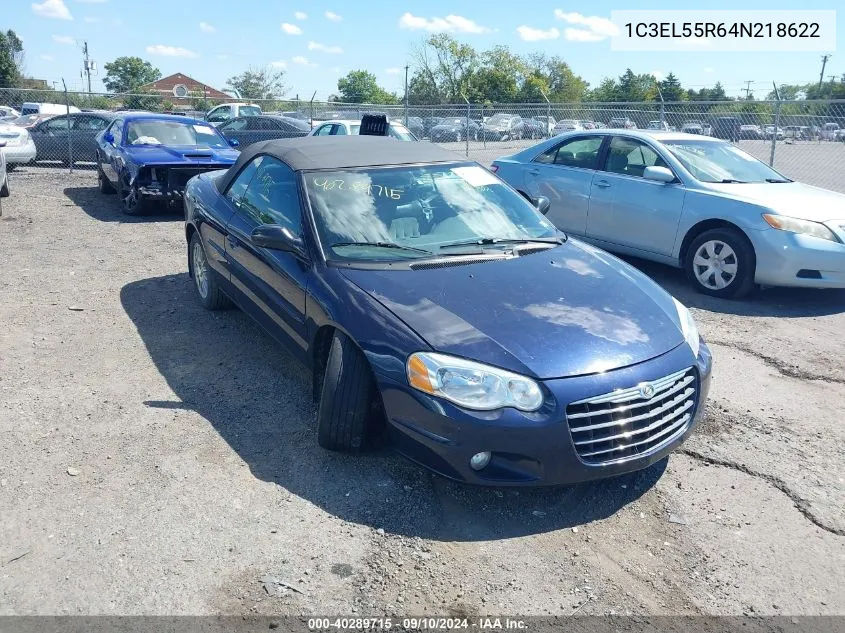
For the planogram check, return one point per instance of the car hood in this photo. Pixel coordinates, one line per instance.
(568, 311)
(187, 154)
(794, 199)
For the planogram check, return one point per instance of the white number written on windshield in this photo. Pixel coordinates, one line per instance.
(329, 184)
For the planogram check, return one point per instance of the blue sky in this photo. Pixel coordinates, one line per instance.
(315, 41)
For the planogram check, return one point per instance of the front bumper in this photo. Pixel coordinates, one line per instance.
(790, 259)
(528, 448)
(20, 154)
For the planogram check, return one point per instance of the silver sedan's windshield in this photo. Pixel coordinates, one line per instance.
(713, 161)
(411, 212)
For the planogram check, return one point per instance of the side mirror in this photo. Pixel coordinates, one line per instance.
(542, 204)
(108, 137)
(278, 238)
(659, 174)
(234, 142)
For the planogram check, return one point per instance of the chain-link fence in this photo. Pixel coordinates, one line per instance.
(805, 140)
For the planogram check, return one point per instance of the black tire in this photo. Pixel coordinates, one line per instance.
(210, 295)
(346, 419)
(743, 258)
(103, 183)
(130, 202)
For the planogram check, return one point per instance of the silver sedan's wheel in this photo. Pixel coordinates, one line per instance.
(715, 265)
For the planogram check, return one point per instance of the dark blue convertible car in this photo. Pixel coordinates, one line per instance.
(147, 157)
(440, 308)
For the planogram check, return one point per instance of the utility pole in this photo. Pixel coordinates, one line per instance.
(748, 88)
(821, 74)
(406, 95)
(88, 65)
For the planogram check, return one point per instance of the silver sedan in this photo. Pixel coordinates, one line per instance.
(688, 201)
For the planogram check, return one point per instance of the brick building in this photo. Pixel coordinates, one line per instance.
(180, 90)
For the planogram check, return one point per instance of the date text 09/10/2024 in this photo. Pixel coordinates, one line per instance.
(416, 624)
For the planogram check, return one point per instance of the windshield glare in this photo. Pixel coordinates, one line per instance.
(710, 161)
(250, 110)
(418, 208)
(157, 132)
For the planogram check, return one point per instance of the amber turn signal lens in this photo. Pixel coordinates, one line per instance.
(418, 375)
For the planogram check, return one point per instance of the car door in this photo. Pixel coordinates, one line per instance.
(51, 138)
(83, 132)
(627, 209)
(564, 174)
(273, 282)
(110, 159)
(236, 129)
(324, 130)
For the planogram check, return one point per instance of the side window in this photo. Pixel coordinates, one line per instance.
(575, 152)
(273, 197)
(57, 125)
(324, 130)
(218, 115)
(233, 125)
(237, 188)
(630, 157)
(89, 123)
(339, 130)
(117, 131)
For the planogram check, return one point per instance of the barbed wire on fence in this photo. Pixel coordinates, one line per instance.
(484, 131)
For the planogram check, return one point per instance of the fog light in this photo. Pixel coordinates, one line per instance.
(480, 460)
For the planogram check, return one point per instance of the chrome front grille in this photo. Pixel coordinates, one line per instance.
(635, 421)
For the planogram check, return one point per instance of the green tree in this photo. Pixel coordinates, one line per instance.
(127, 74)
(499, 77)
(446, 64)
(11, 59)
(672, 89)
(606, 91)
(259, 83)
(360, 86)
(563, 84)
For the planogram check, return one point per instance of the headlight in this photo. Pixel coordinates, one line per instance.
(804, 227)
(688, 326)
(472, 385)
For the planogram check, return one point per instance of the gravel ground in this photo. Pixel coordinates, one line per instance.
(160, 459)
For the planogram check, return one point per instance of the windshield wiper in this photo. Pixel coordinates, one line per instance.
(727, 181)
(382, 245)
(778, 180)
(484, 241)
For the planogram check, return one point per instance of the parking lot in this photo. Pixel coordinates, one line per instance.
(161, 459)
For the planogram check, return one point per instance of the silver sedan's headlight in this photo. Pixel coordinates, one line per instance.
(804, 227)
(688, 326)
(472, 385)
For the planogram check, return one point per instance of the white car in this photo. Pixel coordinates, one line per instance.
(567, 125)
(346, 127)
(659, 125)
(19, 147)
(549, 122)
(8, 111)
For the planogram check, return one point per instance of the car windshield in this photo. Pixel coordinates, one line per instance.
(711, 161)
(250, 110)
(158, 132)
(410, 212)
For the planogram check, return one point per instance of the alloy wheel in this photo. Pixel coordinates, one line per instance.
(715, 265)
(200, 269)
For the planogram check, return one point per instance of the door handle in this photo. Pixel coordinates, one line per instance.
(602, 183)
(534, 172)
(233, 242)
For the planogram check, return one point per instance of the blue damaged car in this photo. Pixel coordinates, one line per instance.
(147, 158)
(440, 309)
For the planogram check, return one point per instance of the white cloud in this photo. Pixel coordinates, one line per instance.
(334, 17)
(52, 9)
(659, 75)
(595, 28)
(580, 35)
(300, 15)
(451, 23)
(709, 69)
(46, 58)
(90, 19)
(535, 35)
(170, 51)
(64, 39)
(280, 63)
(303, 61)
(291, 29)
(332, 50)
(205, 27)
(393, 71)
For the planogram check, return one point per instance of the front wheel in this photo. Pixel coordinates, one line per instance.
(209, 293)
(131, 202)
(721, 263)
(347, 417)
(103, 183)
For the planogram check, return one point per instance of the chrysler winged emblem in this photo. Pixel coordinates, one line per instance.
(647, 391)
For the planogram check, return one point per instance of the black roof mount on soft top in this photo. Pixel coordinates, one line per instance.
(374, 124)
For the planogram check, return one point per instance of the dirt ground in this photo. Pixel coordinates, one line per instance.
(161, 459)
